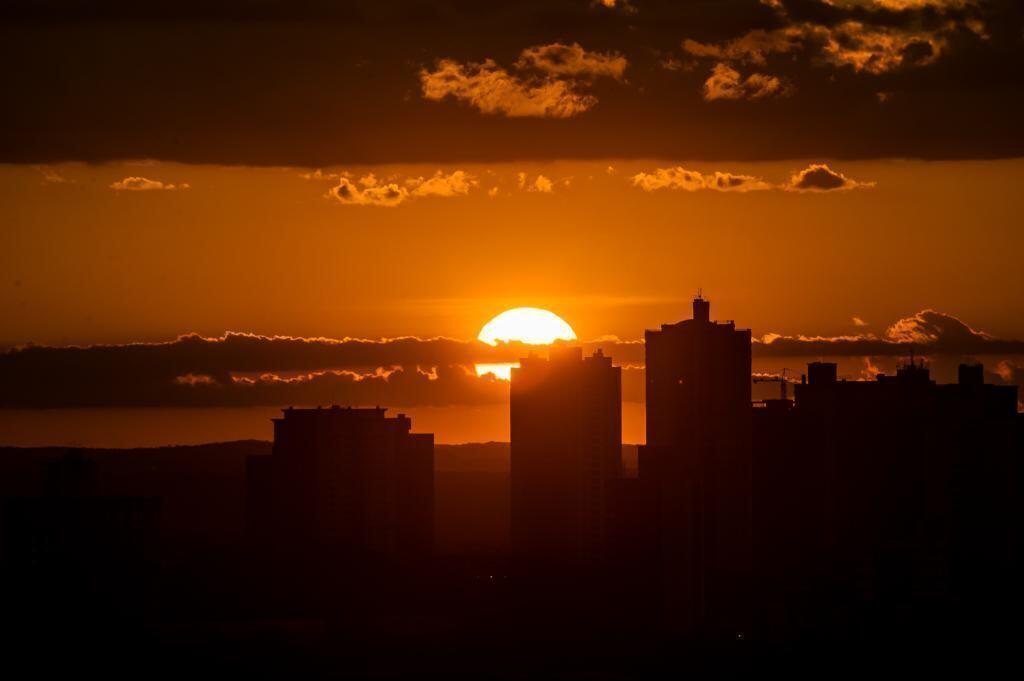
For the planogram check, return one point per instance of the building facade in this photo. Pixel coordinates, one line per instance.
(697, 464)
(566, 433)
(344, 482)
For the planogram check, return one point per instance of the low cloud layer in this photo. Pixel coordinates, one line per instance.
(144, 184)
(928, 332)
(371, 191)
(816, 177)
(248, 370)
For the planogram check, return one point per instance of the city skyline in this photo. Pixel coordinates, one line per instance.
(741, 522)
(529, 339)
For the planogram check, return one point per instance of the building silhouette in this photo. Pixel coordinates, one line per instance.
(888, 504)
(77, 550)
(696, 463)
(566, 449)
(343, 483)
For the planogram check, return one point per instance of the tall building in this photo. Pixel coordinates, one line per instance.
(566, 428)
(344, 482)
(889, 503)
(697, 461)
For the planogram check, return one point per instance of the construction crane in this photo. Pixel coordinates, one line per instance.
(776, 378)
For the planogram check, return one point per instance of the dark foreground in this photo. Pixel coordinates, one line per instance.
(195, 600)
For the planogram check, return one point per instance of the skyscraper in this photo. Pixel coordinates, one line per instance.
(344, 482)
(697, 462)
(893, 499)
(566, 427)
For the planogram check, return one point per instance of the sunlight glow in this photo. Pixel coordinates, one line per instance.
(500, 370)
(530, 325)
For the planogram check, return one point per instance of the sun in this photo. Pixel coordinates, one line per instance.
(530, 325)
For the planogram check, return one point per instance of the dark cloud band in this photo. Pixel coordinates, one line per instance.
(245, 369)
(330, 82)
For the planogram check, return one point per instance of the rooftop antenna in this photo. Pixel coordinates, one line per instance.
(700, 292)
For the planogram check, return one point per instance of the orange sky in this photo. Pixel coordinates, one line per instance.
(267, 251)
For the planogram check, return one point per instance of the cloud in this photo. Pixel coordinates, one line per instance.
(143, 184)
(814, 178)
(454, 184)
(726, 82)
(541, 184)
(930, 327)
(730, 182)
(52, 176)
(251, 369)
(880, 49)
(818, 177)
(692, 180)
(900, 5)
(371, 191)
(239, 369)
(360, 99)
(624, 6)
(572, 60)
(402, 386)
(857, 321)
(493, 90)
(319, 174)
(387, 195)
(865, 48)
(198, 370)
(669, 178)
(548, 83)
(928, 332)
(752, 47)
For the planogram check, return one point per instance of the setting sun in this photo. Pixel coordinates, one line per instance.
(530, 325)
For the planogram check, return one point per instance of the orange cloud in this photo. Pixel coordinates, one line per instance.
(386, 195)
(542, 184)
(493, 90)
(726, 82)
(454, 184)
(547, 85)
(52, 176)
(623, 6)
(930, 326)
(752, 47)
(572, 60)
(871, 49)
(143, 184)
(900, 5)
(818, 177)
(370, 191)
(692, 180)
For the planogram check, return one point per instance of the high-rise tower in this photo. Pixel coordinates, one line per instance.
(697, 461)
(566, 427)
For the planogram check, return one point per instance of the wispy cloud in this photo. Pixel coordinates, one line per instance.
(572, 60)
(816, 177)
(726, 82)
(144, 184)
(371, 191)
(546, 81)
